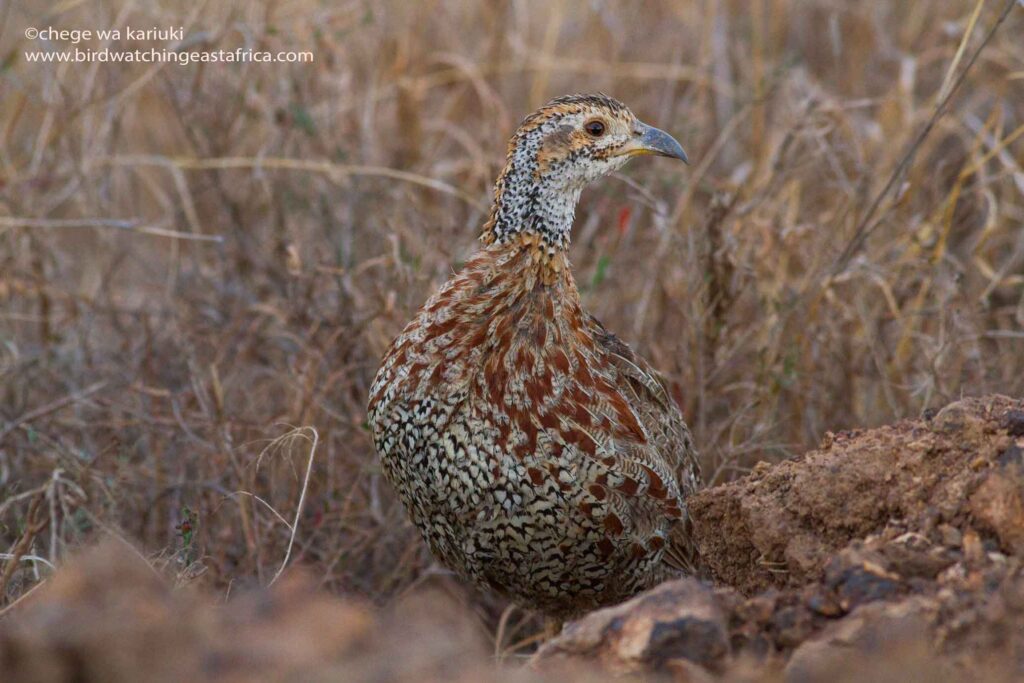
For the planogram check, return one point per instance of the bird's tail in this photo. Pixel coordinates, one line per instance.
(681, 554)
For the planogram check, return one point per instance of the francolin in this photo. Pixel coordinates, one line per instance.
(536, 452)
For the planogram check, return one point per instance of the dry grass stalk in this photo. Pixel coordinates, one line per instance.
(304, 211)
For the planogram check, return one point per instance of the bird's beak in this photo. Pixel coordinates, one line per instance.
(649, 140)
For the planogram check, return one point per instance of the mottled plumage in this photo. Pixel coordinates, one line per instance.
(538, 455)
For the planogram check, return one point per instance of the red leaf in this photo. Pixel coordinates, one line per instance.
(624, 214)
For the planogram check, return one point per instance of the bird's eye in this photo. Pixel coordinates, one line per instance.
(595, 129)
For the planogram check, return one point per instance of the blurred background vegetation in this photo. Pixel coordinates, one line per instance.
(196, 260)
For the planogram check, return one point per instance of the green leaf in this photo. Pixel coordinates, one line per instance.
(601, 271)
(302, 119)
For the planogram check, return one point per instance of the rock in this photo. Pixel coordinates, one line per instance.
(856, 581)
(1013, 422)
(998, 504)
(872, 636)
(951, 536)
(678, 622)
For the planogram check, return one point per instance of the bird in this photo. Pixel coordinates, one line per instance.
(537, 453)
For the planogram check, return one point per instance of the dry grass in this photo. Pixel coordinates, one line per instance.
(197, 259)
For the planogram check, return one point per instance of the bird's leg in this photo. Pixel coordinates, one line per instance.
(552, 627)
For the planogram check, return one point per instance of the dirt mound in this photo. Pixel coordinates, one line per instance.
(780, 525)
(108, 617)
(886, 551)
(898, 544)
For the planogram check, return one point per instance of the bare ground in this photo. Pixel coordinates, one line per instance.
(887, 551)
(897, 545)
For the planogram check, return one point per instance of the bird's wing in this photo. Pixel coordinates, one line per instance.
(670, 443)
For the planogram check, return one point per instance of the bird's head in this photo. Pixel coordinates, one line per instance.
(556, 151)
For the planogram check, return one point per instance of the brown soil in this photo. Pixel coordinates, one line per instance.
(884, 549)
(779, 526)
(886, 553)
(108, 617)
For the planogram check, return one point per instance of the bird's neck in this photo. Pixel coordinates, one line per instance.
(516, 278)
(528, 205)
